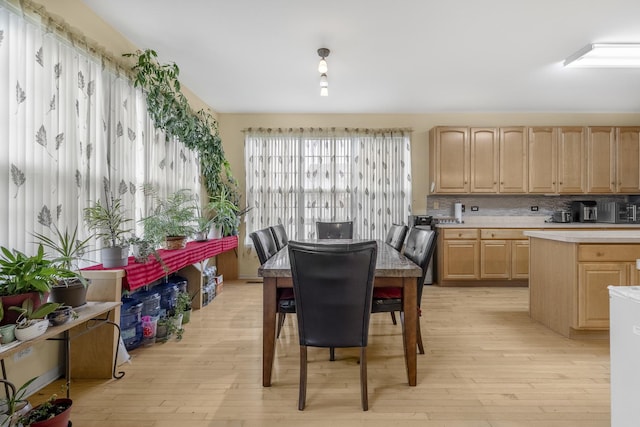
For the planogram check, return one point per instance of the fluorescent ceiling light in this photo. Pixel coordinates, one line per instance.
(606, 55)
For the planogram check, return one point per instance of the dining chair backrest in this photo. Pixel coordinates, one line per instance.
(396, 235)
(419, 248)
(334, 230)
(333, 287)
(279, 235)
(264, 243)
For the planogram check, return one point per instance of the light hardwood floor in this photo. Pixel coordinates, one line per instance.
(486, 364)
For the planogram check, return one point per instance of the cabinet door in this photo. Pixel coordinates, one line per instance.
(542, 160)
(593, 295)
(484, 160)
(450, 161)
(600, 160)
(628, 160)
(495, 259)
(513, 170)
(460, 260)
(571, 176)
(520, 259)
(634, 274)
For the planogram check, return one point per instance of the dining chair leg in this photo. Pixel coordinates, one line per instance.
(363, 379)
(303, 377)
(332, 354)
(393, 317)
(281, 317)
(419, 336)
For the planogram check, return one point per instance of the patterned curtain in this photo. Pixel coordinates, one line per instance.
(296, 177)
(68, 125)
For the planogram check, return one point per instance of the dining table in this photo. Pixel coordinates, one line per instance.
(392, 270)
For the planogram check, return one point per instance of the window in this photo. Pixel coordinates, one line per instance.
(299, 176)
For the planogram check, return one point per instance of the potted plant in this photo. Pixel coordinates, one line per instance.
(52, 413)
(108, 221)
(32, 321)
(142, 249)
(69, 251)
(14, 405)
(172, 221)
(27, 277)
(183, 305)
(224, 212)
(203, 226)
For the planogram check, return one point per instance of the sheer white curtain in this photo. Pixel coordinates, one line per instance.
(68, 123)
(299, 176)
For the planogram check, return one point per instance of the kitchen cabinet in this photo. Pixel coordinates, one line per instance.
(504, 254)
(627, 154)
(458, 254)
(484, 145)
(557, 160)
(449, 154)
(601, 144)
(513, 164)
(593, 294)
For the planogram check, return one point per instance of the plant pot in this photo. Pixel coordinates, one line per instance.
(11, 316)
(215, 233)
(7, 334)
(177, 321)
(20, 409)
(115, 256)
(175, 242)
(59, 420)
(162, 331)
(32, 331)
(201, 236)
(61, 315)
(186, 317)
(73, 293)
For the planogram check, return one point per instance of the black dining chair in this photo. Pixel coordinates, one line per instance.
(418, 248)
(395, 236)
(333, 287)
(266, 247)
(334, 230)
(279, 235)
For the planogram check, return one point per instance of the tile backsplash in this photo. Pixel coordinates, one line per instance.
(504, 205)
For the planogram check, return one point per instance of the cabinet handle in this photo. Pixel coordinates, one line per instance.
(560, 182)
(599, 253)
(459, 234)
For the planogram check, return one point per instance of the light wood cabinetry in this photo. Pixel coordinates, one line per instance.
(484, 160)
(593, 295)
(536, 160)
(627, 154)
(459, 254)
(470, 254)
(601, 143)
(449, 154)
(513, 170)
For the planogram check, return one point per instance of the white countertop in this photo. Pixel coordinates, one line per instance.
(528, 222)
(587, 236)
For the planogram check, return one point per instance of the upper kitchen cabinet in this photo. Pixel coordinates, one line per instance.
(513, 160)
(484, 160)
(601, 142)
(627, 154)
(557, 160)
(449, 154)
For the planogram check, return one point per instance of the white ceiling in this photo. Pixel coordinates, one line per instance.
(387, 56)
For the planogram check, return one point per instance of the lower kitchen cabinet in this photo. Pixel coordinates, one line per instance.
(593, 294)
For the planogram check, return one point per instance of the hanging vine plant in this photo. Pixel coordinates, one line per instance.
(171, 112)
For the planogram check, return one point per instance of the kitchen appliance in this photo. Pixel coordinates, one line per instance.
(624, 338)
(561, 216)
(619, 212)
(584, 211)
(427, 222)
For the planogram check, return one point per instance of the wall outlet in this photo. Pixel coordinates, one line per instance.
(436, 205)
(534, 208)
(474, 209)
(462, 208)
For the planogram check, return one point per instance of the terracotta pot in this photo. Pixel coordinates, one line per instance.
(175, 242)
(11, 316)
(60, 420)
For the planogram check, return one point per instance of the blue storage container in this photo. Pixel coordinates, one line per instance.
(150, 302)
(168, 296)
(130, 322)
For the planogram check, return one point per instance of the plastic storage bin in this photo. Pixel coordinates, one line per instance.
(130, 322)
(150, 302)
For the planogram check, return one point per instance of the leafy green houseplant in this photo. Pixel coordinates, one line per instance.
(225, 213)
(27, 277)
(108, 221)
(142, 249)
(15, 404)
(32, 321)
(69, 250)
(54, 412)
(172, 220)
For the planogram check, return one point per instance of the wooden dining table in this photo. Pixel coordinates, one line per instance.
(392, 270)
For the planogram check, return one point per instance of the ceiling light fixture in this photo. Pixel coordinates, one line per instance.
(606, 55)
(322, 69)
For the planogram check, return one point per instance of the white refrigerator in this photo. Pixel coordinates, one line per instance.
(624, 309)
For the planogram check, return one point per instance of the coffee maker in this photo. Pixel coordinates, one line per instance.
(584, 211)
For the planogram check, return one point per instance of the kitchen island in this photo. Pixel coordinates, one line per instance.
(569, 272)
